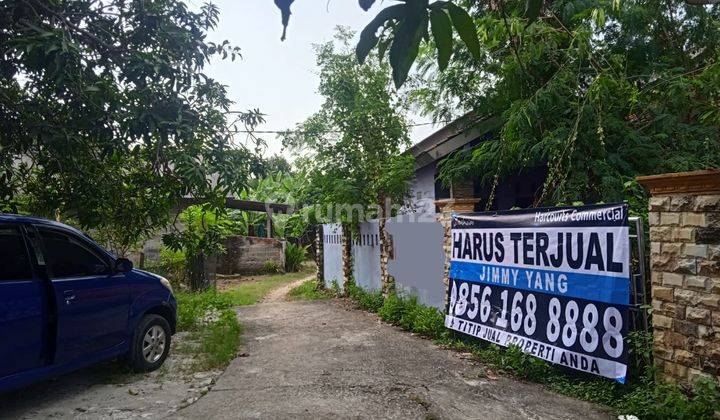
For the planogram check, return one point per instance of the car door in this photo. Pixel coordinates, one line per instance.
(92, 302)
(23, 306)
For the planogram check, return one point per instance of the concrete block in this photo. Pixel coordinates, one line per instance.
(672, 279)
(660, 203)
(694, 219)
(682, 203)
(669, 219)
(695, 250)
(707, 203)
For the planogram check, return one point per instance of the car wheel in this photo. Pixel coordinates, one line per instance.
(151, 343)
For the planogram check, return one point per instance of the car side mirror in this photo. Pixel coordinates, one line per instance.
(123, 265)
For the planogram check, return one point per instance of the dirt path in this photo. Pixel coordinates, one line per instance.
(109, 391)
(324, 360)
(279, 294)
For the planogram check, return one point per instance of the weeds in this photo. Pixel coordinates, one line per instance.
(192, 307)
(308, 291)
(369, 301)
(211, 320)
(219, 341)
(212, 323)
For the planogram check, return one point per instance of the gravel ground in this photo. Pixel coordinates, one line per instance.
(320, 359)
(326, 360)
(109, 391)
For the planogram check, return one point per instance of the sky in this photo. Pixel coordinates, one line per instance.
(280, 78)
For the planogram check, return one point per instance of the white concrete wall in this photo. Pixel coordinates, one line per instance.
(422, 191)
(332, 255)
(366, 256)
(418, 258)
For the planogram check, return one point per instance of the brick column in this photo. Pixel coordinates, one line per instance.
(319, 257)
(387, 282)
(447, 208)
(347, 256)
(684, 223)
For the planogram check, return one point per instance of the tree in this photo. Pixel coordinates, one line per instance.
(404, 26)
(202, 237)
(351, 147)
(106, 116)
(598, 92)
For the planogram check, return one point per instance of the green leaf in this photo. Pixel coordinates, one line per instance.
(406, 44)
(368, 37)
(465, 27)
(442, 33)
(532, 10)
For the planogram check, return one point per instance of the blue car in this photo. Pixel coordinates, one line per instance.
(66, 303)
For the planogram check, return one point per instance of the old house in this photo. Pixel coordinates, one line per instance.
(466, 132)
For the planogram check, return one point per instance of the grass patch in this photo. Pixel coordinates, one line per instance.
(210, 318)
(643, 395)
(212, 324)
(370, 301)
(219, 341)
(308, 291)
(192, 307)
(250, 292)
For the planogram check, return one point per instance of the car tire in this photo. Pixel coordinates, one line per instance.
(151, 344)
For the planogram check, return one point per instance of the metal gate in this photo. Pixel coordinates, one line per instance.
(638, 276)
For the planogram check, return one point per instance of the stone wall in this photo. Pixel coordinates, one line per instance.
(684, 223)
(249, 254)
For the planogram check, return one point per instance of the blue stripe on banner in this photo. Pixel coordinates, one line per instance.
(583, 286)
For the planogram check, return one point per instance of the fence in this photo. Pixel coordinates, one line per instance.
(366, 256)
(417, 260)
(333, 255)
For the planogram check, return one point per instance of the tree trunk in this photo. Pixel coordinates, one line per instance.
(387, 282)
(197, 273)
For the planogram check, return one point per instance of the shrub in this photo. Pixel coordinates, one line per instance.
(392, 309)
(335, 288)
(172, 265)
(369, 301)
(295, 255)
(271, 267)
(428, 321)
(203, 236)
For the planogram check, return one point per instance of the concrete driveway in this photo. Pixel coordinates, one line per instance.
(326, 360)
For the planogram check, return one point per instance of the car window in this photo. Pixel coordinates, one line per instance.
(68, 256)
(14, 258)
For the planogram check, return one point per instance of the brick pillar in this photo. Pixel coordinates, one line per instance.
(684, 223)
(319, 257)
(447, 208)
(387, 282)
(347, 255)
